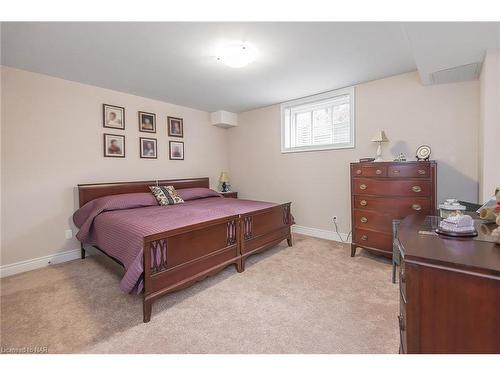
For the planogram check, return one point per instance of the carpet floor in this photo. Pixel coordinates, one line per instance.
(310, 298)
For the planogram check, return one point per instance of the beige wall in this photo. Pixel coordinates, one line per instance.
(442, 116)
(489, 129)
(52, 140)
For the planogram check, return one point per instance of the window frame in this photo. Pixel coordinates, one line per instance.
(311, 101)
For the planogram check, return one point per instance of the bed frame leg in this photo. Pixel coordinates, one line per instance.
(289, 240)
(353, 250)
(146, 310)
(240, 267)
(82, 250)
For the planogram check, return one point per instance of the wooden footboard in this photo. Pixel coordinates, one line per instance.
(178, 258)
(181, 257)
(263, 229)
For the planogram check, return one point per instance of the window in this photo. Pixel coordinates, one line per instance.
(319, 122)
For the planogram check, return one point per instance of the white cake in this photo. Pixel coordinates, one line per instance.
(457, 224)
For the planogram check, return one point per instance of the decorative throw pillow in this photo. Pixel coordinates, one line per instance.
(190, 194)
(166, 195)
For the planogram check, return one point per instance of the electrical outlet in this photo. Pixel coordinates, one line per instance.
(68, 234)
(335, 218)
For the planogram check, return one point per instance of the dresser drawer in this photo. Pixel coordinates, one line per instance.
(409, 170)
(373, 220)
(377, 240)
(391, 187)
(369, 171)
(399, 208)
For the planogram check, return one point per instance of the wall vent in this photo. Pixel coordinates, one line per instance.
(461, 73)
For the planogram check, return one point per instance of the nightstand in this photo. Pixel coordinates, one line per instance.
(229, 194)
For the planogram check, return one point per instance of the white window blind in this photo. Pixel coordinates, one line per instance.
(319, 122)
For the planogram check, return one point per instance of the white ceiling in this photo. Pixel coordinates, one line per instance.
(174, 62)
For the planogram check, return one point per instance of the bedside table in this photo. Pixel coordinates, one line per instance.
(229, 194)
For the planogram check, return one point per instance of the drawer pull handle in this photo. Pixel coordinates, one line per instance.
(363, 202)
(362, 187)
(364, 237)
(396, 171)
(416, 189)
(421, 171)
(401, 323)
(363, 219)
(378, 171)
(416, 207)
(358, 171)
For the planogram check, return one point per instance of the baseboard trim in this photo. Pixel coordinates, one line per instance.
(32, 264)
(319, 233)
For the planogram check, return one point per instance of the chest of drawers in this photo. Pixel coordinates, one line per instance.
(449, 292)
(381, 192)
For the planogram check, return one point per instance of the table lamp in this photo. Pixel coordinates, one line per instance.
(224, 179)
(380, 137)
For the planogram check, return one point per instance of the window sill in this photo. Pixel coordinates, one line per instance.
(319, 148)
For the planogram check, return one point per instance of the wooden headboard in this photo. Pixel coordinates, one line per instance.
(88, 192)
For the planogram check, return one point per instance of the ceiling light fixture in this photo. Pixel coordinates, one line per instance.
(237, 55)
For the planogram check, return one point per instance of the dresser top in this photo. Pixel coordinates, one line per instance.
(464, 253)
(393, 162)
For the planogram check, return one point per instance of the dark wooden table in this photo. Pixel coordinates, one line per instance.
(449, 291)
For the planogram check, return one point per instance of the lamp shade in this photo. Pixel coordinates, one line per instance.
(224, 177)
(380, 137)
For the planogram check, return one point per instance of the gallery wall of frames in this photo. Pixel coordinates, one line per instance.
(114, 144)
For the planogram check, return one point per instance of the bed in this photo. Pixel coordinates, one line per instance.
(166, 248)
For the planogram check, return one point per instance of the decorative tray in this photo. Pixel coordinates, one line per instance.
(456, 234)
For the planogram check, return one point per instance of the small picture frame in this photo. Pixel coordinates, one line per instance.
(147, 122)
(175, 127)
(176, 150)
(113, 116)
(148, 148)
(114, 145)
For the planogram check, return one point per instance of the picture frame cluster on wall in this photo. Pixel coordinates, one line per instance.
(113, 117)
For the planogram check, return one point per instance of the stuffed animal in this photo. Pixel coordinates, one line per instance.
(496, 234)
(497, 195)
(487, 231)
(492, 214)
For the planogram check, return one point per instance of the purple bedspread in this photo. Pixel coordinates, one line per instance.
(118, 224)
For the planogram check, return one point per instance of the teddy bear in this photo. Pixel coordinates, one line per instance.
(492, 214)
